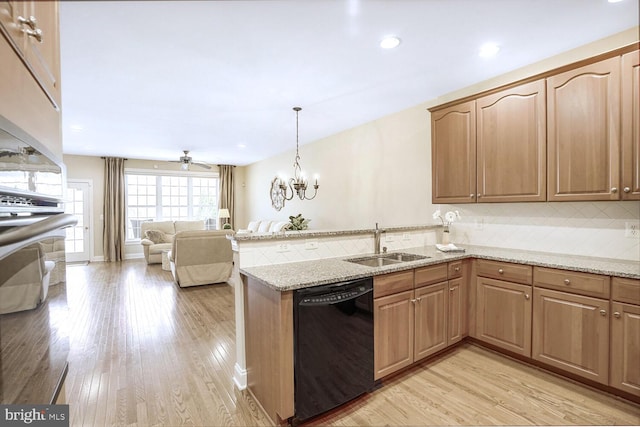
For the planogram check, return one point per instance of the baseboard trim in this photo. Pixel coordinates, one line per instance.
(240, 377)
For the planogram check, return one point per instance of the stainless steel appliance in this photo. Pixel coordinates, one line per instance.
(34, 342)
(32, 183)
(333, 340)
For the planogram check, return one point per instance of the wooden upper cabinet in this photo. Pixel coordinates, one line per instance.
(630, 136)
(40, 52)
(10, 11)
(43, 55)
(453, 151)
(511, 145)
(583, 119)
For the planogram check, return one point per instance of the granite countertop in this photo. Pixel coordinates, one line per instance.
(298, 275)
(308, 234)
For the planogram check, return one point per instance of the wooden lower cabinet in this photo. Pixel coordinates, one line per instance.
(571, 332)
(503, 314)
(457, 323)
(431, 303)
(393, 321)
(411, 324)
(625, 347)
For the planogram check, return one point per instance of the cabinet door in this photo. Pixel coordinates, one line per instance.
(583, 118)
(571, 332)
(457, 311)
(631, 126)
(453, 154)
(393, 332)
(43, 56)
(625, 347)
(511, 145)
(10, 11)
(431, 320)
(503, 315)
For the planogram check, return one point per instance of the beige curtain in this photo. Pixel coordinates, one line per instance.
(227, 198)
(114, 229)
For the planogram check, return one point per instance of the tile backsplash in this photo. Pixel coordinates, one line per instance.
(266, 252)
(576, 228)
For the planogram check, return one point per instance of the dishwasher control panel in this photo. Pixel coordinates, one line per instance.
(334, 297)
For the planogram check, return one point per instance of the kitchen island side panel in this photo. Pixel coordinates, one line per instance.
(269, 347)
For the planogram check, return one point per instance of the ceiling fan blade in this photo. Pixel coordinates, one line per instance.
(202, 165)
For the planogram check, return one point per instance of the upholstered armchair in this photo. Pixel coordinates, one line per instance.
(24, 279)
(201, 257)
(157, 236)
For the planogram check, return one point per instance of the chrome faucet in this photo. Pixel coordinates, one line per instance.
(376, 235)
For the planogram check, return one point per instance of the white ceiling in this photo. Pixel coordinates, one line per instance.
(147, 79)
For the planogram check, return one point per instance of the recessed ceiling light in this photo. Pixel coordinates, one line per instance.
(76, 128)
(241, 146)
(615, 1)
(489, 50)
(390, 42)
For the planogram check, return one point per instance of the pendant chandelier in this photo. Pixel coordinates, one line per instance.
(298, 184)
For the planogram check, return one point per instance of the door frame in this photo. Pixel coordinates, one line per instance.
(89, 182)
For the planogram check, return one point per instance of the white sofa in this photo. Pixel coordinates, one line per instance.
(201, 257)
(266, 226)
(24, 279)
(154, 243)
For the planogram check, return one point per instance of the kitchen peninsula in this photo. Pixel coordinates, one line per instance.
(508, 300)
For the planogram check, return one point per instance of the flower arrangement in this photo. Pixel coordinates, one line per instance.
(449, 218)
(298, 222)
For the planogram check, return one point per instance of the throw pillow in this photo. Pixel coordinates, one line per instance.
(156, 236)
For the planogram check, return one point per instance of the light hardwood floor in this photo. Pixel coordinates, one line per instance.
(144, 352)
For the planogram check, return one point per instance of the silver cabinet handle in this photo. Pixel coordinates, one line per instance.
(452, 289)
(501, 271)
(616, 314)
(603, 312)
(526, 296)
(31, 21)
(414, 300)
(36, 34)
(479, 195)
(614, 190)
(456, 269)
(626, 189)
(471, 195)
(567, 282)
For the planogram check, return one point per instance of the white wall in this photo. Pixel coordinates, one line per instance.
(381, 172)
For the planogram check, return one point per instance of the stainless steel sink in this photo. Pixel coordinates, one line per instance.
(404, 257)
(386, 259)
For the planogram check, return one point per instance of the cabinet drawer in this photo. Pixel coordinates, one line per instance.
(625, 290)
(455, 269)
(431, 274)
(569, 281)
(392, 283)
(504, 271)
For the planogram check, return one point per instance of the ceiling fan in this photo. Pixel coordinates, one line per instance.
(187, 161)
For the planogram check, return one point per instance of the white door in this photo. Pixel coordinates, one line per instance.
(78, 203)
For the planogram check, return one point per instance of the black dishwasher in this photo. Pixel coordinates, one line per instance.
(333, 339)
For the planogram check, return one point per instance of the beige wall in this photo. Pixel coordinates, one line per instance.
(378, 172)
(92, 168)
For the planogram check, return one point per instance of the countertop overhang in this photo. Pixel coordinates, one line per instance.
(298, 275)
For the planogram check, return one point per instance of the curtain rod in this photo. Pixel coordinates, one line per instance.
(103, 157)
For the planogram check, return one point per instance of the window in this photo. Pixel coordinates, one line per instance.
(169, 197)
